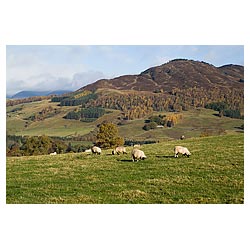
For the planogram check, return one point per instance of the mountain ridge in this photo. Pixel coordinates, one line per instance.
(27, 94)
(176, 73)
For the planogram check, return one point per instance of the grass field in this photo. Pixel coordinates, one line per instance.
(213, 174)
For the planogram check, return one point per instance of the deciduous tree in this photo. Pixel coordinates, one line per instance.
(108, 137)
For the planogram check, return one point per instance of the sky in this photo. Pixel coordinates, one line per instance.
(53, 67)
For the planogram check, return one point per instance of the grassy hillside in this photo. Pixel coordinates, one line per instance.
(193, 124)
(213, 174)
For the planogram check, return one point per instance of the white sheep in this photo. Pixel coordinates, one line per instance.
(137, 146)
(181, 150)
(54, 153)
(96, 150)
(88, 150)
(138, 154)
(119, 150)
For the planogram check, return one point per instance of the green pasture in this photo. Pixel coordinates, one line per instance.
(213, 174)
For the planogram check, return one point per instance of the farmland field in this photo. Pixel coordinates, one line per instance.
(213, 174)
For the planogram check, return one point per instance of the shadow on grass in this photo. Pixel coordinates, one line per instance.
(239, 128)
(165, 156)
(125, 160)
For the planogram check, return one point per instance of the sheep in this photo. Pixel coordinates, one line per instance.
(96, 150)
(54, 153)
(181, 150)
(119, 150)
(88, 150)
(182, 137)
(137, 146)
(138, 154)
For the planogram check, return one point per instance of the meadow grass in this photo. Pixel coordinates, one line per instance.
(213, 174)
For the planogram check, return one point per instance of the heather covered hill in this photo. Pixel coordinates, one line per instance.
(180, 73)
(174, 86)
(234, 71)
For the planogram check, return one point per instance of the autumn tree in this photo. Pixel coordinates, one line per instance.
(108, 137)
(37, 145)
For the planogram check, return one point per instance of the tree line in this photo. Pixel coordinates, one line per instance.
(106, 137)
(224, 110)
(136, 106)
(88, 114)
(75, 100)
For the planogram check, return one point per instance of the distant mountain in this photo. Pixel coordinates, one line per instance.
(26, 94)
(180, 73)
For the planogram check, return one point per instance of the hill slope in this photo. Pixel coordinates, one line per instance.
(179, 73)
(180, 85)
(175, 86)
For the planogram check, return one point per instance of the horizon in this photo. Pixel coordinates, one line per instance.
(61, 67)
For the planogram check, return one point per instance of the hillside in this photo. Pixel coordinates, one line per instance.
(178, 73)
(179, 86)
(175, 86)
(194, 123)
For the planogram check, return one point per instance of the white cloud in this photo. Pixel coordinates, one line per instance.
(84, 78)
(44, 82)
(43, 70)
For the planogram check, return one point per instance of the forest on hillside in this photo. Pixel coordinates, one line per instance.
(140, 104)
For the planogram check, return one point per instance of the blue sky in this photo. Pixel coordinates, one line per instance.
(43, 67)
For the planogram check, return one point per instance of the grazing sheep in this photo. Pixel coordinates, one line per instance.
(88, 150)
(138, 154)
(181, 150)
(96, 150)
(54, 153)
(137, 146)
(182, 137)
(119, 150)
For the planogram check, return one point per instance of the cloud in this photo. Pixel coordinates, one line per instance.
(38, 83)
(42, 67)
(44, 82)
(84, 78)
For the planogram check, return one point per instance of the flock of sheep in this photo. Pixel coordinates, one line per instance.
(138, 154)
